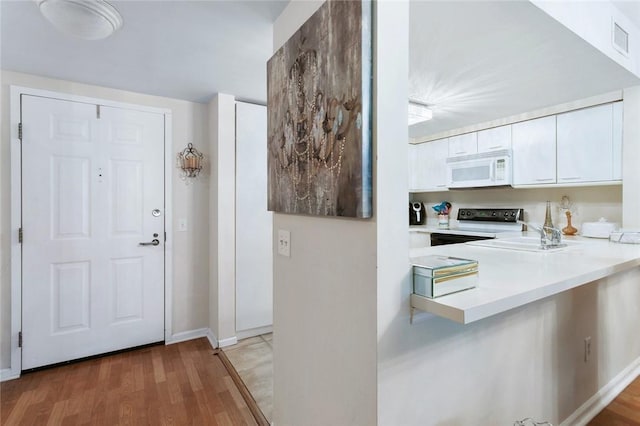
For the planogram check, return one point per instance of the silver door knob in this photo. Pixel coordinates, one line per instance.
(153, 242)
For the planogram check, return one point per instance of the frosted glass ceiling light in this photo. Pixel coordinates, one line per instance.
(419, 112)
(86, 19)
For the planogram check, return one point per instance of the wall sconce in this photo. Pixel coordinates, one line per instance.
(190, 160)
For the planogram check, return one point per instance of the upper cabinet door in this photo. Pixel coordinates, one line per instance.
(617, 140)
(463, 144)
(413, 167)
(585, 145)
(433, 159)
(534, 151)
(494, 139)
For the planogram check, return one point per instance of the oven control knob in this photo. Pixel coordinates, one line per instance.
(506, 214)
(494, 214)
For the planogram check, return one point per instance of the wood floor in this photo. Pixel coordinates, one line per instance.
(624, 410)
(180, 384)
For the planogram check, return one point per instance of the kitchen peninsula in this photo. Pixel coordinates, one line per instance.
(512, 278)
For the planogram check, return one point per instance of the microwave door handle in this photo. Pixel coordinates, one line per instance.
(492, 176)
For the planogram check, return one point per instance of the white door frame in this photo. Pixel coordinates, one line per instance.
(16, 211)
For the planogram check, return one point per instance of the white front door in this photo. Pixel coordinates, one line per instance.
(92, 190)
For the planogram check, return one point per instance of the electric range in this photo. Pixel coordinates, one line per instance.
(480, 224)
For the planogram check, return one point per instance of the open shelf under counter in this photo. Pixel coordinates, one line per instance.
(509, 279)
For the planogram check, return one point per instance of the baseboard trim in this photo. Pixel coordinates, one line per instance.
(604, 396)
(213, 340)
(245, 334)
(183, 336)
(8, 374)
(227, 342)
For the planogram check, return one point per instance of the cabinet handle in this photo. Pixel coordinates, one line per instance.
(461, 152)
(544, 180)
(495, 147)
(571, 178)
(441, 186)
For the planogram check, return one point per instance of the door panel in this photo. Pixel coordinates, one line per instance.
(89, 187)
(70, 296)
(70, 197)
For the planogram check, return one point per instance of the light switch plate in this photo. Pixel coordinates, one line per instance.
(182, 224)
(284, 243)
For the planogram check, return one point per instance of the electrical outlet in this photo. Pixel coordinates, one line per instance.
(587, 348)
(284, 243)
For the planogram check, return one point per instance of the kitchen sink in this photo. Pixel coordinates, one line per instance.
(522, 243)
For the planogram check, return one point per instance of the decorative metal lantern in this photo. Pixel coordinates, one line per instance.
(190, 161)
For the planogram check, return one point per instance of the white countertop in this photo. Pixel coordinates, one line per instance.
(510, 278)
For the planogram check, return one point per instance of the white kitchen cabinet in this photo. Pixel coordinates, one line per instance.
(617, 141)
(432, 165)
(419, 239)
(413, 167)
(585, 145)
(494, 139)
(534, 151)
(463, 144)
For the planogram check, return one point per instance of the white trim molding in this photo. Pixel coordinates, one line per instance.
(16, 210)
(227, 342)
(244, 334)
(598, 402)
(213, 340)
(183, 336)
(8, 374)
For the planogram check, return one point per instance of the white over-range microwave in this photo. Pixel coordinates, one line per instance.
(480, 170)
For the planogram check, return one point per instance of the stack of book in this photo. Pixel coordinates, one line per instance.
(435, 276)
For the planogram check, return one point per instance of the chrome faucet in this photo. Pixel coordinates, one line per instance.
(550, 237)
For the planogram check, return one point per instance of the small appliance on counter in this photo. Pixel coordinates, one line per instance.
(417, 213)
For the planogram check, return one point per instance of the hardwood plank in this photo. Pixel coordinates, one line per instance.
(178, 384)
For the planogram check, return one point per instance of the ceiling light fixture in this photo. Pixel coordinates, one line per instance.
(419, 112)
(86, 19)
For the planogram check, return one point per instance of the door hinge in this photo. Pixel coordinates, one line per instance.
(20, 131)
(20, 339)
(20, 235)
(98, 112)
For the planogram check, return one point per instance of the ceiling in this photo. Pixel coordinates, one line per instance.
(478, 61)
(180, 49)
(473, 61)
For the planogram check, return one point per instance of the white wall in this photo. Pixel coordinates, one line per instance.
(222, 218)
(324, 307)
(190, 248)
